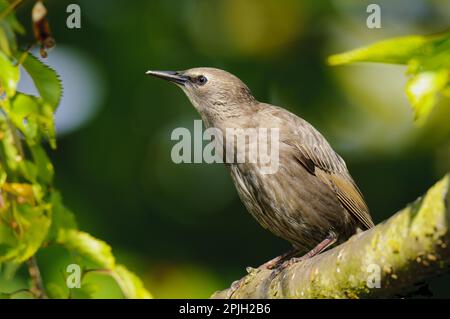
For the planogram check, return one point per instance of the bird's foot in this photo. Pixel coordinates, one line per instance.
(290, 262)
(283, 265)
(280, 263)
(285, 261)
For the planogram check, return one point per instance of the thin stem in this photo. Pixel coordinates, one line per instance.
(24, 55)
(10, 9)
(37, 288)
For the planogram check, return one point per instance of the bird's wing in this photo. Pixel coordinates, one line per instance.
(317, 156)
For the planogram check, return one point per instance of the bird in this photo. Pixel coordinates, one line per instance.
(311, 200)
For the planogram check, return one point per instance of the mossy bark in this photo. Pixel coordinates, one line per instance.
(385, 261)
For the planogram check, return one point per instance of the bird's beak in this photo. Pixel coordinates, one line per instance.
(172, 76)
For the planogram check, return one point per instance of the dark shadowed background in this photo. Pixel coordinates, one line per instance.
(181, 227)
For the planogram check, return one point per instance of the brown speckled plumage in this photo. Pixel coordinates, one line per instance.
(312, 195)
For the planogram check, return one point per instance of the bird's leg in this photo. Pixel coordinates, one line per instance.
(283, 261)
(320, 247)
(324, 244)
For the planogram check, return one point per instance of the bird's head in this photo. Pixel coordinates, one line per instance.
(214, 93)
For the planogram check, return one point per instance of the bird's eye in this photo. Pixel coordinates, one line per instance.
(202, 80)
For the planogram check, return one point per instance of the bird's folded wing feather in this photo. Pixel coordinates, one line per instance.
(317, 156)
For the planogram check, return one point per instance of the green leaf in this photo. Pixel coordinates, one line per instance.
(86, 291)
(9, 146)
(422, 91)
(45, 169)
(62, 218)
(8, 242)
(8, 27)
(3, 176)
(45, 79)
(131, 284)
(28, 170)
(34, 119)
(34, 224)
(11, 223)
(4, 5)
(24, 112)
(9, 75)
(88, 247)
(4, 38)
(55, 291)
(10, 269)
(428, 60)
(397, 51)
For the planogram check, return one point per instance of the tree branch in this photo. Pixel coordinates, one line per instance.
(37, 288)
(387, 260)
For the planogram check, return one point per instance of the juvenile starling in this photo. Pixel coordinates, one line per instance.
(311, 200)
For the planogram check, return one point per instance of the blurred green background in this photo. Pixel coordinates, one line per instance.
(181, 227)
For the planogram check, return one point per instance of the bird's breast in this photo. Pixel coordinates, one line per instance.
(292, 203)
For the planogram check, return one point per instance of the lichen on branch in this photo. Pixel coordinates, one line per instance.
(385, 261)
